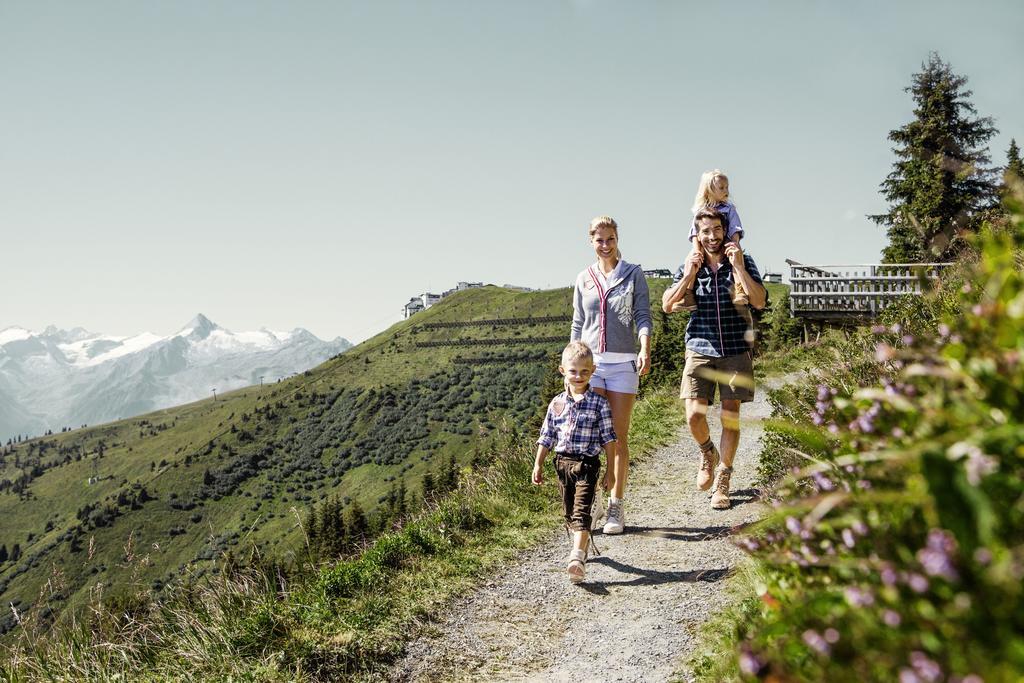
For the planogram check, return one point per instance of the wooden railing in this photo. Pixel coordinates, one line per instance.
(854, 291)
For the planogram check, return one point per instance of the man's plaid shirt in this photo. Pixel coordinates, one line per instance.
(577, 427)
(717, 328)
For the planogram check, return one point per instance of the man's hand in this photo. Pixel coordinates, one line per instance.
(538, 474)
(735, 256)
(694, 261)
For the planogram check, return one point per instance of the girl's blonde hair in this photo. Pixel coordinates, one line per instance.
(605, 222)
(704, 199)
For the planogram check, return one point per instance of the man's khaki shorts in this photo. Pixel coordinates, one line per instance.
(733, 375)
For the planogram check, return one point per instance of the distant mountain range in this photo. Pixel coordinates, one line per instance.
(66, 378)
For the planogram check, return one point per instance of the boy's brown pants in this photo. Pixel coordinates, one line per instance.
(577, 482)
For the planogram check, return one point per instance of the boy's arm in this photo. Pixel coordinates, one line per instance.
(538, 465)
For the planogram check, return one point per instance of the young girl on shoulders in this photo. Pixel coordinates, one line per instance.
(713, 193)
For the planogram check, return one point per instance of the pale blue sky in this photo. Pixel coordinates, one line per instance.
(315, 164)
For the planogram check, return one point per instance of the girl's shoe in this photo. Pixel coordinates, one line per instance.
(577, 567)
(739, 295)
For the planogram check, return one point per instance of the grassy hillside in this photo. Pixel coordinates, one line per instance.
(134, 503)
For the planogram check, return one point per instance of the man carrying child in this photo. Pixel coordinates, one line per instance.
(578, 426)
(719, 338)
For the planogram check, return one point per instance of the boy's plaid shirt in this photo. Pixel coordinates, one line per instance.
(717, 328)
(577, 427)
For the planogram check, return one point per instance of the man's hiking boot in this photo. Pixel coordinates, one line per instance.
(720, 498)
(577, 567)
(616, 521)
(708, 463)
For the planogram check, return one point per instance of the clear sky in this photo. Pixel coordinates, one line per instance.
(315, 164)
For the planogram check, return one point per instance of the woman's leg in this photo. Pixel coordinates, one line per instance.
(618, 465)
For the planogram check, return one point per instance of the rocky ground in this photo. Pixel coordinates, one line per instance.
(645, 599)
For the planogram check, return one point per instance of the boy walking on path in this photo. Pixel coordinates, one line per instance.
(719, 337)
(578, 426)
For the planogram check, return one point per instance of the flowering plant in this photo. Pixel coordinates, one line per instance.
(896, 549)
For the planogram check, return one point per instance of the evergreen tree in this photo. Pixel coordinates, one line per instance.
(939, 184)
(3, 553)
(356, 525)
(451, 475)
(428, 486)
(1014, 165)
(15, 552)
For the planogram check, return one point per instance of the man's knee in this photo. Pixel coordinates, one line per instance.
(731, 415)
(696, 411)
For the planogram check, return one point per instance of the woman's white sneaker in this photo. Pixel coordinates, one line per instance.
(616, 520)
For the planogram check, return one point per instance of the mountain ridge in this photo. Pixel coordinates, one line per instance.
(60, 378)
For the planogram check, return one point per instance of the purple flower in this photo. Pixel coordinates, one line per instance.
(917, 583)
(864, 484)
(816, 642)
(884, 352)
(983, 556)
(898, 433)
(896, 328)
(823, 392)
(831, 636)
(888, 576)
(907, 339)
(859, 528)
(822, 482)
(793, 525)
(817, 419)
(908, 676)
(943, 330)
(859, 597)
(927, 669)
(749, 663)
(891, 618)
(849, 540)
(936, 557)
(879, 329)
(833, 428)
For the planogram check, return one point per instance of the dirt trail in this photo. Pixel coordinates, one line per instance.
(643, 603)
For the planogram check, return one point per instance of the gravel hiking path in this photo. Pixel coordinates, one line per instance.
(645, 598)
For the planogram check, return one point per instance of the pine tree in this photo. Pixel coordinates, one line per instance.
(355, 523)
(428, 486)
(1014, 165)
(939, 184)
(3, 553)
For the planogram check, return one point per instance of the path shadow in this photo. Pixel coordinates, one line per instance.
(744, 496)
(684, 533)
(653, 577)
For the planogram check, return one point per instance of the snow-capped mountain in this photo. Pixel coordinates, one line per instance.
(66, 378)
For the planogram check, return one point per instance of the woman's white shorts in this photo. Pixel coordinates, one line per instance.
(621, 378)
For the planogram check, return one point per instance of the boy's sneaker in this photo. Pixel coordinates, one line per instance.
(577, 567)
(720, 498)
(708, 463)
(739, 295)
(616, 521)
(597, 510)
(689, 300)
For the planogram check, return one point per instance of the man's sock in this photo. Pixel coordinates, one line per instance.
(707, 445)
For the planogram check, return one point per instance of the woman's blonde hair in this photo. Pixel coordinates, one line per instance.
(605, 222)
(704, 198)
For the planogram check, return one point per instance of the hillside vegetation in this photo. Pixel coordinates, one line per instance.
(180, 487)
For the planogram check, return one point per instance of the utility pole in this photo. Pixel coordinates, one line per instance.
(261, 381)
(214, 394)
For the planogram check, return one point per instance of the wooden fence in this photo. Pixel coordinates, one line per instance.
(852, 292)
